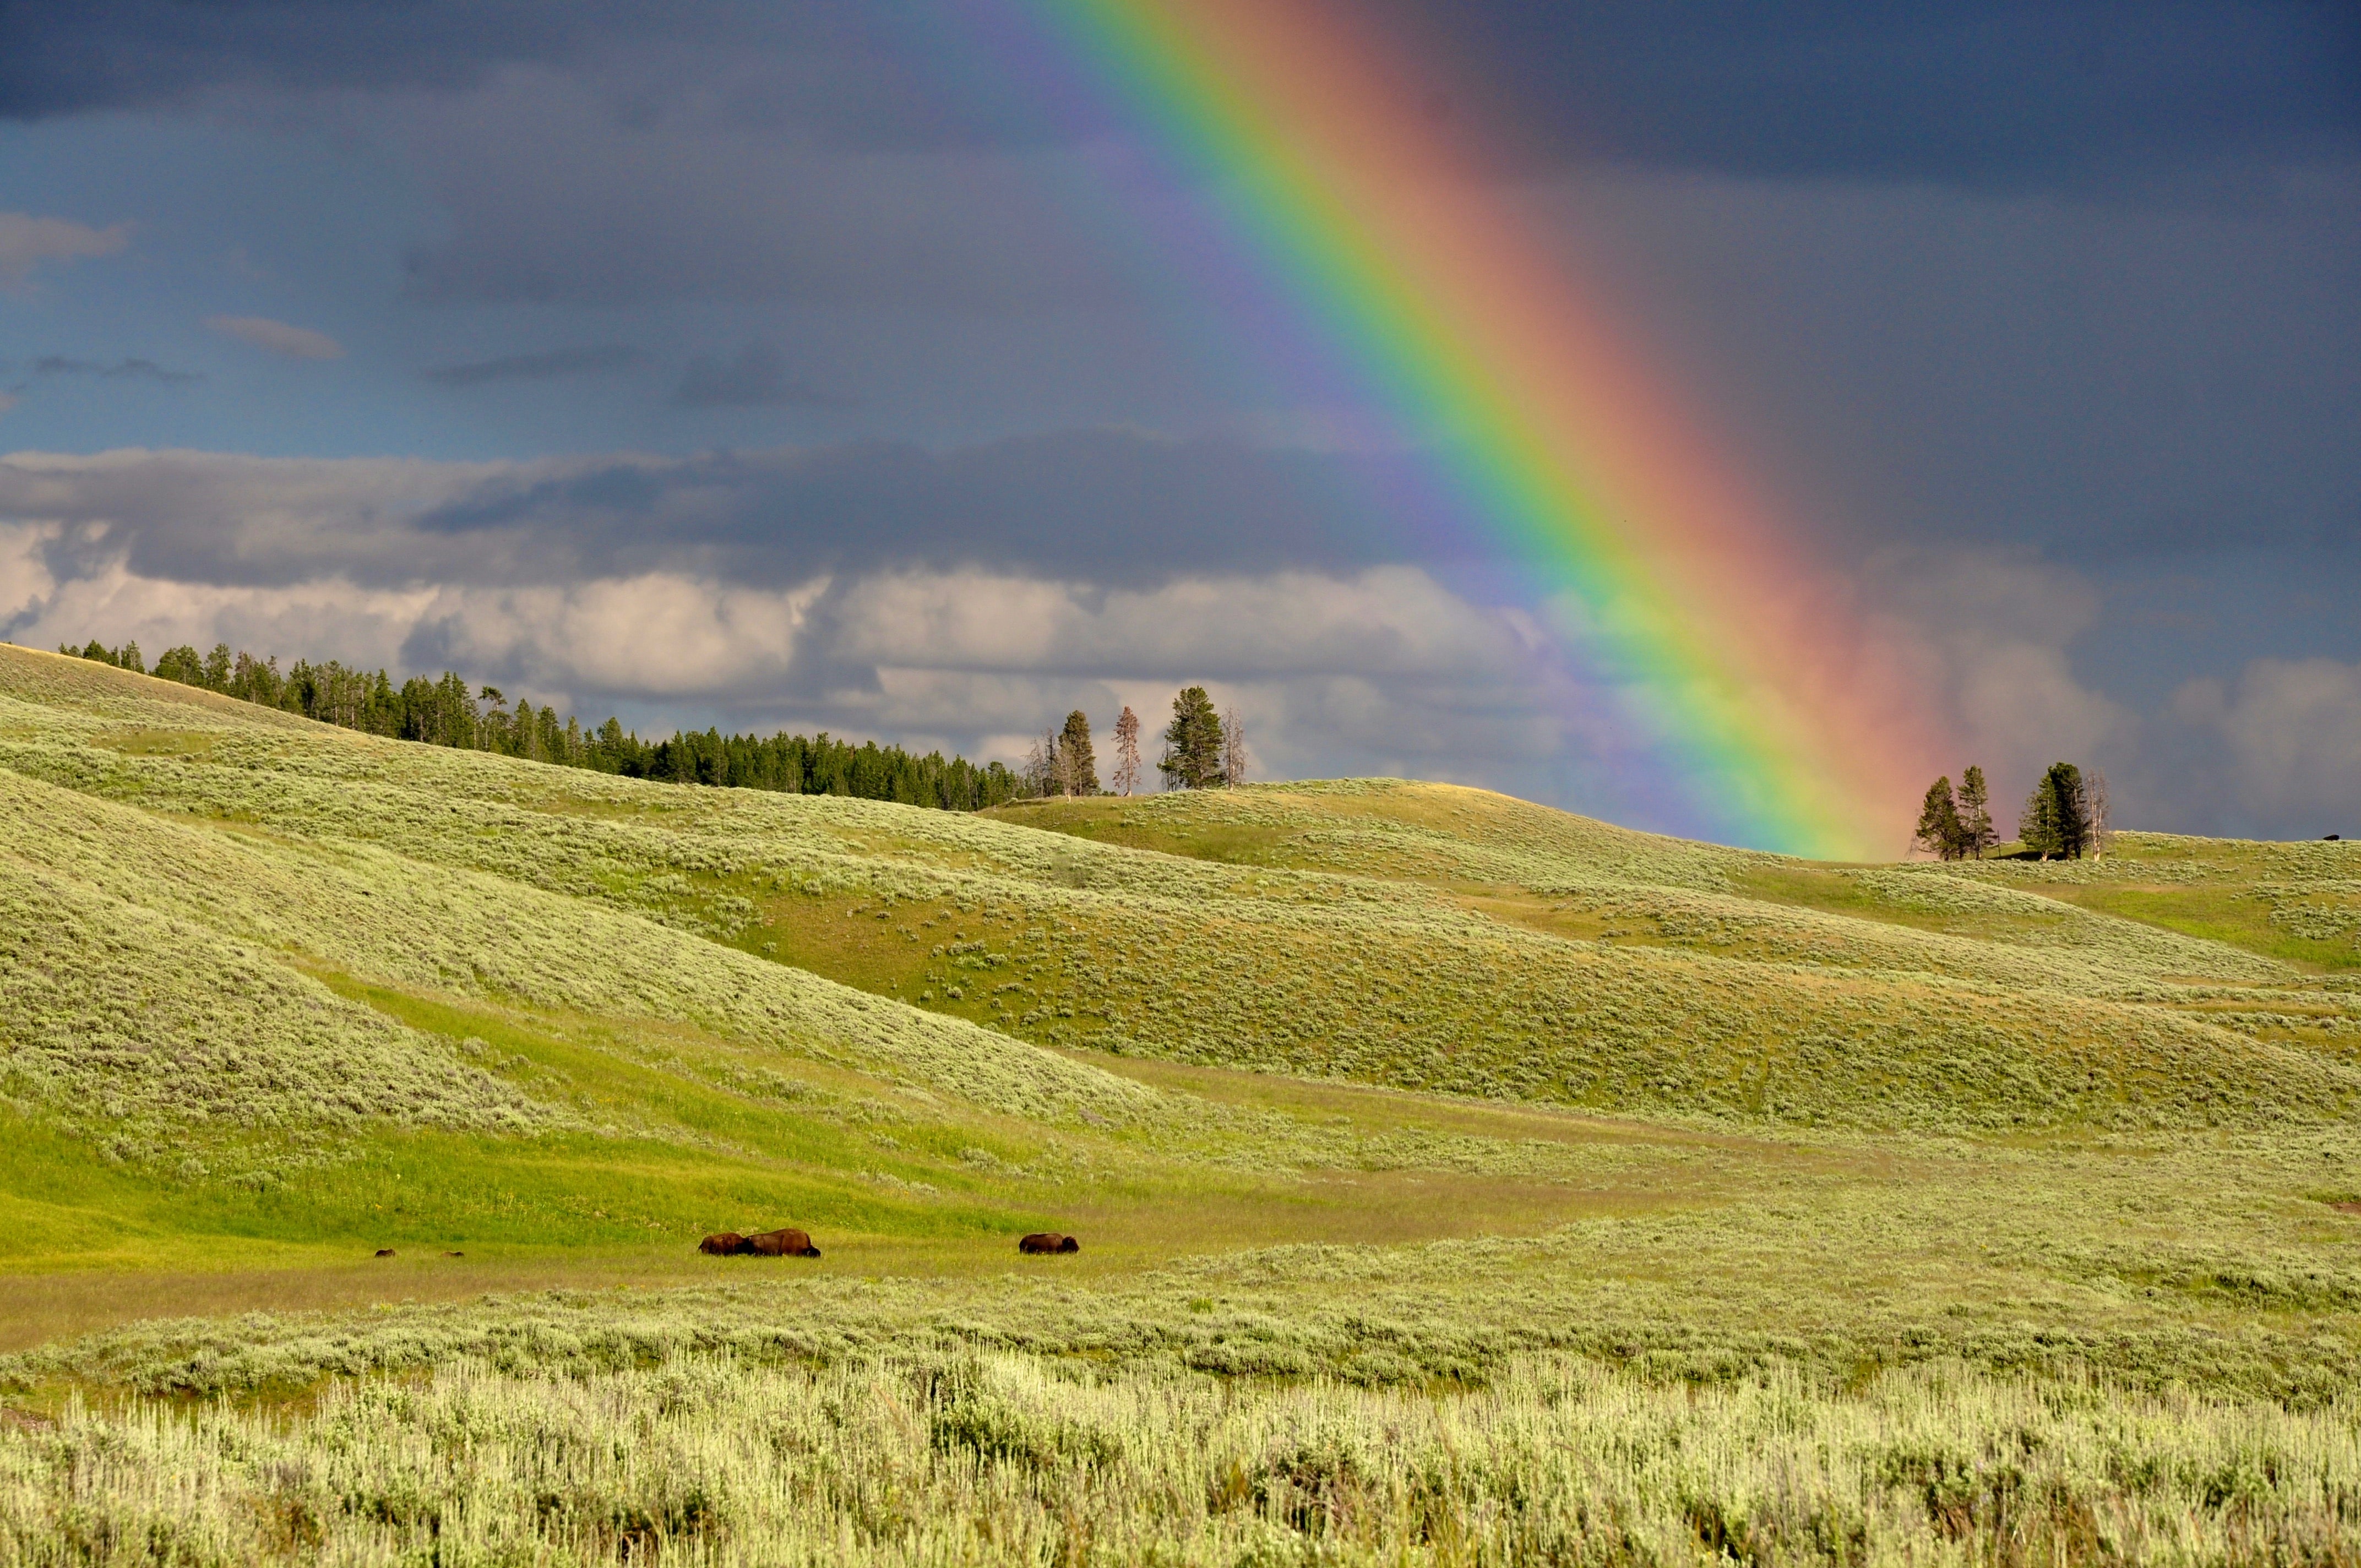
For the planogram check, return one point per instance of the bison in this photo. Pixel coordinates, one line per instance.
(1048, 1241)
(781, 1243)
(725, 1244)
(385, 1251)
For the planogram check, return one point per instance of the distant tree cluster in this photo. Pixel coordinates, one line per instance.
(2064, 818)
(1957, 827)
(1203, 749)
(444, 713)
(818, 764)
(1063, 762)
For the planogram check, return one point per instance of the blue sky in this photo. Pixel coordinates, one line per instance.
(785, 365)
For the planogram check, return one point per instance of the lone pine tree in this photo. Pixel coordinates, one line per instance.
(1126, 777)
(1078, 766)
(1938, 821)
(1193, 743)
(1976, 833)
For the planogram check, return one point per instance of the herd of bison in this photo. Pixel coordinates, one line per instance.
(796, 1244)
(791, 1242)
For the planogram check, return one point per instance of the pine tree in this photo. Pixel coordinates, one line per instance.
(2056, 818)
(180, 665)
(2036, 823)
(1126, 752)
(1938, 821)
(1193, 743)
(1976, 833)
(2074, 809)
(1078, 766)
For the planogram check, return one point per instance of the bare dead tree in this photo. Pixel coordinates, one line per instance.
(1126, 752)
(2094, 801)
(1042, 766)
(1233, 750)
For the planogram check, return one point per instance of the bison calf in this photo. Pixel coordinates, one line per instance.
(781, 1243)
(1048, 1241)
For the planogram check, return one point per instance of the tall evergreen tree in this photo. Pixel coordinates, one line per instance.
(1193, 743)
(1976, 833)
(1078, 767)
(2036, 820)
(2056, 822)
(1126, 752)
(1938, 821)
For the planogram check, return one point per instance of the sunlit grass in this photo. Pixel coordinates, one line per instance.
(1398, 1122)
(994, 1459)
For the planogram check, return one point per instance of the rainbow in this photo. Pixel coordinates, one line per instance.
(1749, 681)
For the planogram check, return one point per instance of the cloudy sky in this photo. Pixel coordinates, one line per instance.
(789, 364)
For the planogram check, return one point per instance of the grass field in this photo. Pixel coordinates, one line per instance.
(1458, 1180)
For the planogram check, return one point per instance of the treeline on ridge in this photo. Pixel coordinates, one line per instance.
(444, 713)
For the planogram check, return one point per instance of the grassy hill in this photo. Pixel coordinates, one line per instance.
(1388, 1091)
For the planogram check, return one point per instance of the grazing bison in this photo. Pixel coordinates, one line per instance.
(781, 1243)
(385, 1251)
(727, 1244)
(1048, 1241)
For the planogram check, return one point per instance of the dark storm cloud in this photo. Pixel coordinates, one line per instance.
(1103, 507)
(1991, 93)
(836, 71)
(557, 364)
(553, 198)
(2008, 94)
(756, 377)
(109, 54)
(2093, 378)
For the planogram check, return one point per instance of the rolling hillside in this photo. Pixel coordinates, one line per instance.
(1384, 1085)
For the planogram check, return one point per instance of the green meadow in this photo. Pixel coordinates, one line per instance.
(1457, 1180)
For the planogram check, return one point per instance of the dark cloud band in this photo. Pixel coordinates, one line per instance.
(1993, 93)
(1108, 507)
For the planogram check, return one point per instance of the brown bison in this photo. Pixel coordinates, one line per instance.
(781, 1243)
(725, 1244)
(1048, 1241)
(385, 1251)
